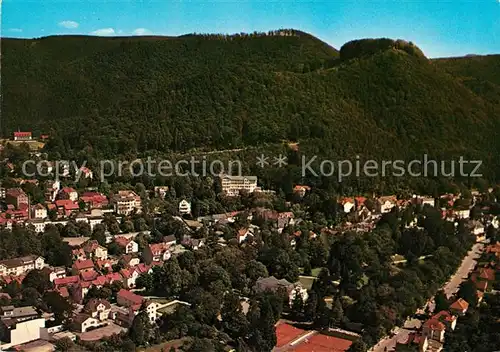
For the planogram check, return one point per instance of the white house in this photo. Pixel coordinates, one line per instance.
(462, 214)
(184, 207)
(20, 325)
(20, 266)
(39, 212)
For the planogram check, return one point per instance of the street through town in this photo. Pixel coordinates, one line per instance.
(451, 287)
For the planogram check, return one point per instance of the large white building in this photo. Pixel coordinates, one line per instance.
(19, 325)
(232, 185)
(20, 266)
(126, 202)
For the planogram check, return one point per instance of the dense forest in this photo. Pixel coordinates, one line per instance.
(376, 98)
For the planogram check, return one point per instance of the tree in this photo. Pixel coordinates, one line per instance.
(297, 307)
(140, 331)
(468, 292)
(99, 234)
(37, 279)
(64, 344)
(60, 306)
(323, 315)
(311, 306)
(234, 321)
(358, 346)
(441, 301)
(337, 314)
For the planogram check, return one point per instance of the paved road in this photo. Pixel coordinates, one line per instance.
(401, 334)
(468, 264)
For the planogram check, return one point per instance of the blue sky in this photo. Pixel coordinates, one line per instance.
(439, 27)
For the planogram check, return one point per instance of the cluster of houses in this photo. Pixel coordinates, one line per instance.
(62, 204)
(432, 335)
(92, 267)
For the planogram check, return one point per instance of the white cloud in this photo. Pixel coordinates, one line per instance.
(15, 30)
(142, 31)
(104, 32)
(69, 24)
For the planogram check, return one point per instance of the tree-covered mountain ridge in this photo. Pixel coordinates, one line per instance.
(376, 97)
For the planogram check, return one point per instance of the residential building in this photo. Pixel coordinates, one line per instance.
(17, 197)
(184, 207)
(232, 185)
(22, 136)
(434, 330)
(21, 266)
(38, 211)
(94, 250)
(20, 325)
(273, 284)
(385, 204)
(129, 261)
(462, 213)
(130, 275)
(98, 308)
(126, 202)
(459, 307)
(347, 204)
(242, 234)
(86, 172)
(128, 244)
(161, 191)
(156, 253)
(170, 240)
(129, 299)
(66, 207)
(82, 266)
(301, 190)
(68, 193)
(82, 322)
(94, 200)
(55, 272)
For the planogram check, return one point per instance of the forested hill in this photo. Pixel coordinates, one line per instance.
(373, 97)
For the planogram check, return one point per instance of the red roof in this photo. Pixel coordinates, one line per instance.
(113, 277)
(83, 264)
(434, 324)
(142, 268)
(460, 305)
(487, 274)
(89, 275)
(67, 204)
(444, 315)
(130, 296)
(63, 291)
(22, 134)
(68, 190)
(66, 280)
(323, 343)
(127, 273)
(158, 248)
(286, 333)
(122, 241)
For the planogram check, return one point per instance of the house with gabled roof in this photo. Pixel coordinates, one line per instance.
(93, 249)
(460, 306)
(156, 252)
(128, 244)
(80, 266)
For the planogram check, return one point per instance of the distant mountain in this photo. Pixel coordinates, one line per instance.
(377, 97)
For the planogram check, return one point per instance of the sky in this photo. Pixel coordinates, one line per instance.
(441, 28)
